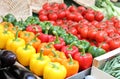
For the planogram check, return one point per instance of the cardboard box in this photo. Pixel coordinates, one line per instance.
(99, 74)
(101, 60)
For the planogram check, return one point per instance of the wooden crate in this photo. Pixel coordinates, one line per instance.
(36, 5)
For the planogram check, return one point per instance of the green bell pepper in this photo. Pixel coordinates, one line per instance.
(96, 51)
(9, 18)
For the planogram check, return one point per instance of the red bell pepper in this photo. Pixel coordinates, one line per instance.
(84, 59)
(70, 49)
(58, 41)
(44, 37)
(34, 28)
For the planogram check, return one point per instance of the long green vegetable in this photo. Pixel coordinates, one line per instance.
(108, 8)
(112, 67)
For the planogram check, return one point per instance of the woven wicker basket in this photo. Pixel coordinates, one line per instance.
(36, 5)
(19, 8)
(86, 3)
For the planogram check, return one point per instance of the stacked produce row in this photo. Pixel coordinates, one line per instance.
(60, 40)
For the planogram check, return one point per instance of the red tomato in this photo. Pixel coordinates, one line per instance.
(94, 23)
(43, 17)
(62, 6)
(78, 17)
(115, 43)
(104, 45)
(92, 33)
(72, 9)
(101, 25)
(73, 31)
(70, 16)
(89, 16)
(100, 36)
(110, 30)
(59, 22)
(117, 24)
(53, 16)
(84, 32)
(99, 16)
(61, 14)
(46, 6)
(81, 9)
(42, 12)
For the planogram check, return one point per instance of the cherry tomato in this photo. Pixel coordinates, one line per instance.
(46, 6)
(89, 16)
(99, 16)
(43, 17)
(115, 43)
(72, 9)
(53, 16)
(104, 45)
(70, 16)
(62, 6)
(42, 12)
(61, 14)
(73, 31)
(100, 36)
(78, 17)
(92, 33)
(84, 32)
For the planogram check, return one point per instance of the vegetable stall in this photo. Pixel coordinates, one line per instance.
(60, 38)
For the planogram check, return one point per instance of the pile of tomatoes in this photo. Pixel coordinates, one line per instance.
(85, 23)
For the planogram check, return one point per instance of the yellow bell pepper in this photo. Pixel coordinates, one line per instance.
(38, 62)
(4, 36)
(14, 43)
(1, 28)
(24, 54)
(54, 70)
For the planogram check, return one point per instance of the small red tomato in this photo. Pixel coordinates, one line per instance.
(92, 33)
(81, 9)
(78, 17)
(53, 16)
(99, 16)
(115, 43)
(62, 6)
(70, 16)
(73, 31)
(84, 32)
(72, 9)
(105, 46)
(100, 36)
(42, 12)
(89, 16)
(43, 17)
(61, 14)
(46, 6)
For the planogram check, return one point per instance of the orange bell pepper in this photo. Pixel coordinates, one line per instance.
(27, 36)
(57, 56)
(36, 42)
(7, 25)
(48, 47)
(72, 66)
